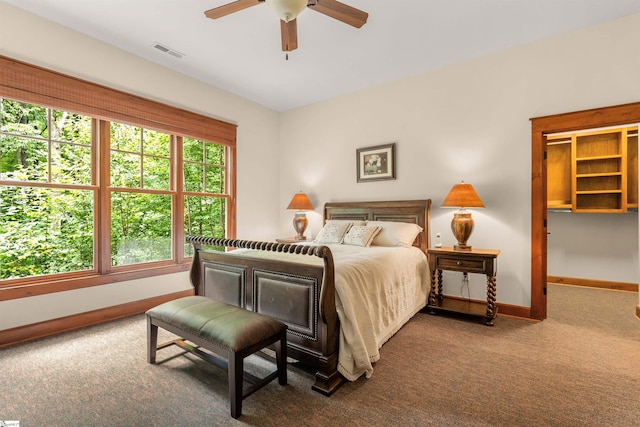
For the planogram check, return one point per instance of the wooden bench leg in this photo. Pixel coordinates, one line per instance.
(281, 358)
(152, 341)
(236, 378)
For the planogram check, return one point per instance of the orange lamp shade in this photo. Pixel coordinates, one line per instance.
(300, 202)
(462, 196)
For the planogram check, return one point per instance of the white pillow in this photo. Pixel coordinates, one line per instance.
(395, 233)
(333, 232)
(361, 235)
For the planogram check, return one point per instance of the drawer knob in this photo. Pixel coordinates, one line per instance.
(458, 263)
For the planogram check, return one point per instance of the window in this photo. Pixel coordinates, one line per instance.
(91, 195)
(46, 200)
(140, 195)
(204, 173)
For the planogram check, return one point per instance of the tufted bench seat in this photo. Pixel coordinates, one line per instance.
(228, 331)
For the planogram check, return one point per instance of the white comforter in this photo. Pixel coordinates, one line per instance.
(378, 289)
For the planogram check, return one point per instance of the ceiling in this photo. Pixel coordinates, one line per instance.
(241, 52)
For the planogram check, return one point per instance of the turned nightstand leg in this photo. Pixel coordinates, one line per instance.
(491, 300)
(432, 291)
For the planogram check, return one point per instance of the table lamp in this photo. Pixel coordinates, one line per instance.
(300, 202)
(462, 196)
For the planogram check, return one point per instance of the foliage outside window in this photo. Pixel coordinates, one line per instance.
(140, 222)
(52, 200)
(203, 174)
(47, 215)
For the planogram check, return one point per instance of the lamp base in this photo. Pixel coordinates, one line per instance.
(462, 226)
(461, 247)
(300, 224)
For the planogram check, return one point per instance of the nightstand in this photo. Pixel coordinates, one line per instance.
(481, 261)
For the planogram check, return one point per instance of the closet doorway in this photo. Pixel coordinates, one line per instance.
(540, 126)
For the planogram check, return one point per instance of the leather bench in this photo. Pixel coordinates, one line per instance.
(227, 332)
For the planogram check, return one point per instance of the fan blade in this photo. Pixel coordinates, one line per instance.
(227, 9)
(340, 11)
(289, 31)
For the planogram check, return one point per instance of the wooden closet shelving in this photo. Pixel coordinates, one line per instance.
(593, 171)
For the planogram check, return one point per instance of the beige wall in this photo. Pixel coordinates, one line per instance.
(594, 246)
(466, 122)
(29, 38)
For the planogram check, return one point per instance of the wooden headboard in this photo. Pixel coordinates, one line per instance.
(413, 211)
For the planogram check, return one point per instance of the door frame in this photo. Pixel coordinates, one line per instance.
(540, 126)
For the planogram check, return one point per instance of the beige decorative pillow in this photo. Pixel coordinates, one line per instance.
(361, 235)
(395, 233)
(333, 232)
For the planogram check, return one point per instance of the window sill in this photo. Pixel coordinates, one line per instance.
(42, 286)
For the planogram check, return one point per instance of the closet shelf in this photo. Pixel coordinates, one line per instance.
(616, 191)
(597, 175)
(592, 158)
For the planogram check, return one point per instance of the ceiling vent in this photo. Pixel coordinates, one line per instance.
(167, 50)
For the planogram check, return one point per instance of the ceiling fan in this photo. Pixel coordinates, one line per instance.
(288, 10)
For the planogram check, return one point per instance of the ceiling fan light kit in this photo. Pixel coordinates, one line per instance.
(288, 11)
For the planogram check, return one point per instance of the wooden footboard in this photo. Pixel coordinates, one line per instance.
(301, 295)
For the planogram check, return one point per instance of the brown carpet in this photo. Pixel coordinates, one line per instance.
(580, 367)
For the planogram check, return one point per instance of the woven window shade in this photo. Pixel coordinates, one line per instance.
(31, 84)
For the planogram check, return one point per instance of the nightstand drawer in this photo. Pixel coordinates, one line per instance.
(469, 265)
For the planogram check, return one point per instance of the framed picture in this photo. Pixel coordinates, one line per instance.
(376, 163)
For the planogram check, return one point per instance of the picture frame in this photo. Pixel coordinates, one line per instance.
(377, 163)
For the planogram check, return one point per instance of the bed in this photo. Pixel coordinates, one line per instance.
(334, 326)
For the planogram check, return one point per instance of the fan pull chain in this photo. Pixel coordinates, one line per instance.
(286, 55)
